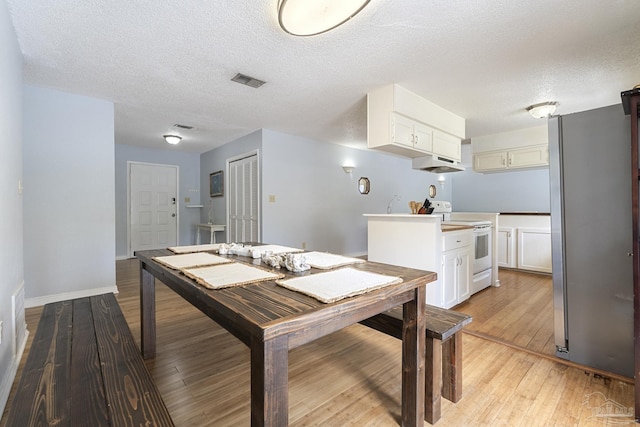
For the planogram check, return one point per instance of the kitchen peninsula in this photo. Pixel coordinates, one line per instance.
(428, 243)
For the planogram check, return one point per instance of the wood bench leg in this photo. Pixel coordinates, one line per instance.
(433, 380)
(452, 368)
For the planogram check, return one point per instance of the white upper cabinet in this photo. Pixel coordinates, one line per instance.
(508, 151)
(401, 122)
(520, 158)
(409, 133)
(446, 145)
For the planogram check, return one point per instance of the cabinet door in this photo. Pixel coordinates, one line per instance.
(422, 137)
(401, 130)
(449, 267)
(446, 145)
(464, 276)
(528, 157)
(534, 249)
(506, 247)
(492, 161)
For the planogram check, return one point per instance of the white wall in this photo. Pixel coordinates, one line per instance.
(526, 190)
(11, 242)
(316, 202)
(69, 213)
(189, 186)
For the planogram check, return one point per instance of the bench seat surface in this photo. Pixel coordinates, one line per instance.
(84, 368)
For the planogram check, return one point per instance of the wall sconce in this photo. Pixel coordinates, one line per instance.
(441, 180)
(542, 110)
(308, 18)
(172, 139)
(347, 168)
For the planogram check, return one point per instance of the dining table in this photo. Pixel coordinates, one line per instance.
(271, 320)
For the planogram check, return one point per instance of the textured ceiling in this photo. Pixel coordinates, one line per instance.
(171, 62)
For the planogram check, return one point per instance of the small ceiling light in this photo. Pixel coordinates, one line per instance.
(308, 18)
(172, 139)
(542, 110)
(347, 168)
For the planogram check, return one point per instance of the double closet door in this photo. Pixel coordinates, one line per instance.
(244, 210)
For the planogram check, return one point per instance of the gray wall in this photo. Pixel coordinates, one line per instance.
(526, 190)
(11, 241)
(316, 201)
(215, 160)
(188, 186)
(69, 215)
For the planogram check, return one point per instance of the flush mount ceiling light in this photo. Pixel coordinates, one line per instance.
(542, 110)
(172, 139)
(311, 17)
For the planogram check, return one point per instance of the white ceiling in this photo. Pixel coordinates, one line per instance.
(171, 62)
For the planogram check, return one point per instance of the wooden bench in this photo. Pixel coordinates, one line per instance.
(84, 368)
(443, 376)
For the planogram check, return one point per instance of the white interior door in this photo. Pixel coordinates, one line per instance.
(244, 210)
(153, 214)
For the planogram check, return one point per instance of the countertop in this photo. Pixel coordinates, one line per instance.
(448, 227)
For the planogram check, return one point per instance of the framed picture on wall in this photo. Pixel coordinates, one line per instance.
(215, 184)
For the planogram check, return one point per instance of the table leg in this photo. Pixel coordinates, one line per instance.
(197, 235)
(269, 382)
(212, 236)
(413, 360)
(147, 313)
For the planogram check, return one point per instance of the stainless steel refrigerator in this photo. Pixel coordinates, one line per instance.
(591, 235)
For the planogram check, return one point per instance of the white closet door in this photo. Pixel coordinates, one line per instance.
(244, 212)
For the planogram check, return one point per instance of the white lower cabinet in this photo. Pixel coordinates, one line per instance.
(524, 242)
(534, 249)
(506, 247)
(456, 267)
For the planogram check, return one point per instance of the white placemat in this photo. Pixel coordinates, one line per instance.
(227, 275)
(325, 260)
(335, 285)
(209, 247)
(196, 259)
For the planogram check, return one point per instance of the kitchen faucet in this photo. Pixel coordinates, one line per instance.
(389, 206)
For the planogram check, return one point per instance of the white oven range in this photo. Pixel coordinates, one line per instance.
(482, 248)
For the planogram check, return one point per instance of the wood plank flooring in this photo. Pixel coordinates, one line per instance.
(519, 312)
(353, 378)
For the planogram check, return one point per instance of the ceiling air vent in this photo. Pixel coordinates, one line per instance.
(247, 80)
(179, 126)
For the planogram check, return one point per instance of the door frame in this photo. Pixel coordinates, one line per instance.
(129, 164)
(230, 160)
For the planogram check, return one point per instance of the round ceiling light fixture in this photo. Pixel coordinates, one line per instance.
(172, 139)
(309, 18)
(542, 110)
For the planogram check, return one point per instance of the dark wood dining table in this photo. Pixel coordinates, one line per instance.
(271, 320)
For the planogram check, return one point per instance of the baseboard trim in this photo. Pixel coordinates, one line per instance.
(7, 382)
(36, 302)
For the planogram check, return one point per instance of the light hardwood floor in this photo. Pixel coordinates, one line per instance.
(519, 312)
(352, 377)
